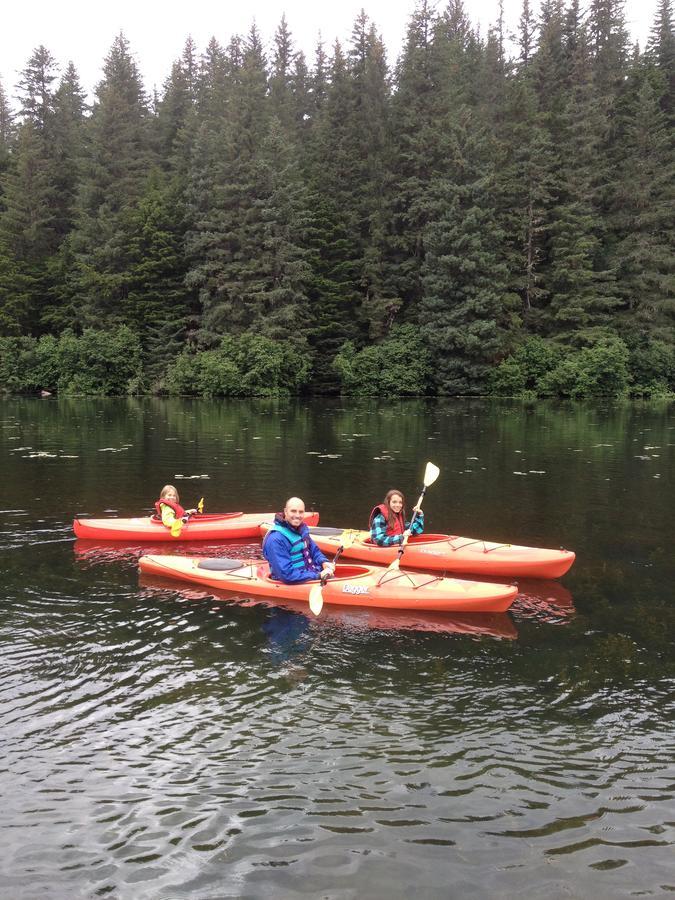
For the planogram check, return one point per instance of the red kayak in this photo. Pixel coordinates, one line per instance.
(450, 553)
(200, 527)
(352, 585)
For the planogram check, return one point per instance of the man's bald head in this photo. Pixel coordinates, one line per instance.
(294, 511)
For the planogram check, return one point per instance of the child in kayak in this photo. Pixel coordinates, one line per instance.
(168, 507)
(387, 520)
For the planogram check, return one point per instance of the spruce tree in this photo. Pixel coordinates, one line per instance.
(116, 170)
(419, 149)
(68, 147)
(6, 134)
(27, 233)
(36, 92)
(463, 315)
(223, 194)
(580, 278)
(280, 82)
(643, 197)
(660, 56)
(159, 306)
(525, 187)
(178, 118)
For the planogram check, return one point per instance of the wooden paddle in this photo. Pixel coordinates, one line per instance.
(431, 473)
(316, 593)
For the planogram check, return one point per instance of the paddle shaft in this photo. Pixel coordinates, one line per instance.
(326, 575)
(407, 532)
(315, 594)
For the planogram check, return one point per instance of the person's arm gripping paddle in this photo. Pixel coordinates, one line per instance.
(177, 524)
(431, 473)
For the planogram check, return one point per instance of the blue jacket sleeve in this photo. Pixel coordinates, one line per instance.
(276, 552)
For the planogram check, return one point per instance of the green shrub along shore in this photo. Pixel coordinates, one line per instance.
(99, 363)
(471, 220)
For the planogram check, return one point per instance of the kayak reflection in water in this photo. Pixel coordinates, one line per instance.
(168, 507)
(288, 548)
(387, 522)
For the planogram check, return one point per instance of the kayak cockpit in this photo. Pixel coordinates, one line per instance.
(342, 573)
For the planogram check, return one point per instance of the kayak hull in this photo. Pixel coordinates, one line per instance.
(225, 526)
(353, 585)
(474, 624)
(450, 553)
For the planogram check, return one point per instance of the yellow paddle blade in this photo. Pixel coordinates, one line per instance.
(394, 565)
(176, 528)
(200, 505)
(316, 599)
(348, 537)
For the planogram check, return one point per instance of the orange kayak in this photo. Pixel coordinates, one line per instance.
(352, 585)
(357, 618)
(200, 527)
(450, 553)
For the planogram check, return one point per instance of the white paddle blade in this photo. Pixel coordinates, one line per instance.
(431, 473)
(316, 599)
(393, 566)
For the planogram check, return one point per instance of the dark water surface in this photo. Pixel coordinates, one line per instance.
(162, 743)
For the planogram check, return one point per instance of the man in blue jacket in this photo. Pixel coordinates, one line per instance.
(288, 548)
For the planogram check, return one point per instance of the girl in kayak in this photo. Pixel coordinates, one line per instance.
(387, 520)
(168, 506)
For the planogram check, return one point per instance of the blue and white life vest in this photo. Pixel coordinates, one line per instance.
(301, 557)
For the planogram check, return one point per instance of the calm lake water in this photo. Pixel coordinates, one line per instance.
(162, 743)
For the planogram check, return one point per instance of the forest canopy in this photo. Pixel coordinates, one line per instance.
(474, 218)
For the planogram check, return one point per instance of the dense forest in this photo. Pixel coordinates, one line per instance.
(490, 215)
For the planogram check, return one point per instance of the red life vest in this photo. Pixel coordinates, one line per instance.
(399, 522)
(176, 507)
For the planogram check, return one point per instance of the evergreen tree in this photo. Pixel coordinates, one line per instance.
(582, 285)
(159, 307)
(280, 82)
(661, 55)
(525, 187)
(223, 194)
(176, 113)
(216, 69)
(609, 46)
(333, 177)
(26, 232)
(68, 148)
(642, 203)
(117, 168)
(463, 316)
(35, 89)
(6, 134)
(418, 153)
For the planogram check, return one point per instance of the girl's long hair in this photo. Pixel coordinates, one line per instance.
(390, 515)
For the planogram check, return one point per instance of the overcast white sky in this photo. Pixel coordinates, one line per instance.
(82, 30)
